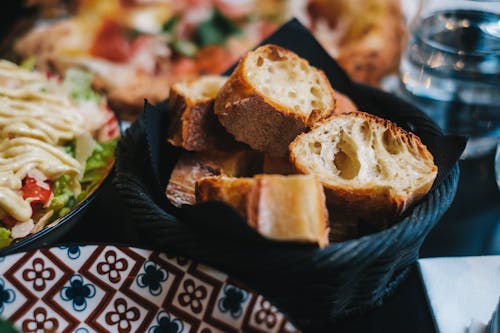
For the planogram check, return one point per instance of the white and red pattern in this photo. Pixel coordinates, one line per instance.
(112, 289)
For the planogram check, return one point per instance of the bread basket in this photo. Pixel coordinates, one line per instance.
(312, 286)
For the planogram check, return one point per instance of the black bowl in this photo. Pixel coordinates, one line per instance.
(313, 286)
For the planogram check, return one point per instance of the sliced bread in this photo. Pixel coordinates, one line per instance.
(287, 208)
(193, 124)
(233, 191)
(191, 167)
(367, 165)
(271, 97)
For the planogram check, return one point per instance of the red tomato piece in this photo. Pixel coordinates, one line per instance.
(110, 43)
(37, 194)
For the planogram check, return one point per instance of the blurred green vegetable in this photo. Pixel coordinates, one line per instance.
(4, 240)
(80, 83)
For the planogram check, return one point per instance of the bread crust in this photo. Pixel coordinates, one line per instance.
(371, 203)
(194, 126)
(233, 191)
(255, 119)
(191, 167)
(303, 218)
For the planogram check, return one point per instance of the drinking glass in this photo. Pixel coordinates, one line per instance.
(451, 68)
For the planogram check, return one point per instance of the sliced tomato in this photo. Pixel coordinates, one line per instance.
(111, 43)
(38, 195)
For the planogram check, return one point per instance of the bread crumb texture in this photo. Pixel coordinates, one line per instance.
(288, 80)
(359, 151)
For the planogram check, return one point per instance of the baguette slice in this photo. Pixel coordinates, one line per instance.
(271, 97)
(290, 208)
(233, 191)
(193, 124)
(367, 165)
(286, 208)
(191, 167)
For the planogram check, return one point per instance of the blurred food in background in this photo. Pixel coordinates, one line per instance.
(137, 48)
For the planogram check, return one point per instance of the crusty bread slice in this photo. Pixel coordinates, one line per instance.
(233, 191)
(367, 164)
(289, 208)
(271, 97)
(277, 165)
(191, 167)
(193, 124)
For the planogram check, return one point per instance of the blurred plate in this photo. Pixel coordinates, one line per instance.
(119, 289)
(59, 227)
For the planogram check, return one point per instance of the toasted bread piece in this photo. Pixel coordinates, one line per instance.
(191, 167)
(233, 191)
(343, 104)
(277, 165)
(271, 97)
(289, 208)
(367, 165)
(193, 124)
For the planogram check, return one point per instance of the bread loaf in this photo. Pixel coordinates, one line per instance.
(367, 165)
(193, 124)
(271, 97)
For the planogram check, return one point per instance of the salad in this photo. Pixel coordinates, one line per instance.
(57, 142)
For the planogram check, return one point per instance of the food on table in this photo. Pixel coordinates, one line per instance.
(137, 49)
(371, 169)
(233, 191)
(191, 167)
(57, 141)
(193, 124)
(366, 37)
(286, 208)
(367, 164)
(271, 97)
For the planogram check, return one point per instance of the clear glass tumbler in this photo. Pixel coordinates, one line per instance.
(451, 68)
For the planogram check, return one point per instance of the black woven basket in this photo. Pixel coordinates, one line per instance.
(312, 286)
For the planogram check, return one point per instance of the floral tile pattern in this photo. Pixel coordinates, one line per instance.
(87, 289)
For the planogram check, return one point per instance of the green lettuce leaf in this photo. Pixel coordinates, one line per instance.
(80, 84)
(4, 237)
(62, 195)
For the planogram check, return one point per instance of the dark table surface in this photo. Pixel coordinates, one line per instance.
(470, 227)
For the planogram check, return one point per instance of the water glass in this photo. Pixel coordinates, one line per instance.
(451, 68)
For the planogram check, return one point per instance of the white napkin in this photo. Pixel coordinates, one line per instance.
(463, 292)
